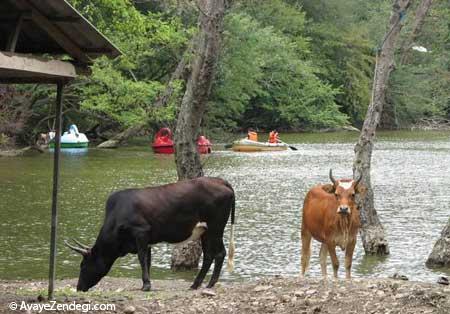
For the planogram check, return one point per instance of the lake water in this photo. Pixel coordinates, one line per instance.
(410, 176)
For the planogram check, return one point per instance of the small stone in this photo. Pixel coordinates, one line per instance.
(299, 293)
(395, 286)
(285, 298)
(141, 309)
(399, 277)
(208, 293)
(261, 288)
(129, 309)
(443, 281)
(311, 292)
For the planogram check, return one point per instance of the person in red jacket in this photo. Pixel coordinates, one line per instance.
(273, 137)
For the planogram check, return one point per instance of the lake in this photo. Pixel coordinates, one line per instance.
(410, 176)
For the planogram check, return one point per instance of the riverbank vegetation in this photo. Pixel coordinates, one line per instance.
(287, 64)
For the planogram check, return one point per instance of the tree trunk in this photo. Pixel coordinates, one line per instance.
(372, 232)
(389, 116)
(161, 101)
(122, 137)
(193, 105)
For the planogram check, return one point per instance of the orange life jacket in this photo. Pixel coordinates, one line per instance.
(253, 136)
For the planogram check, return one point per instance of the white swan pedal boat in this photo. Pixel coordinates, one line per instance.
(70, 139)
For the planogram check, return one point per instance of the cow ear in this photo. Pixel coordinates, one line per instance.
(329, 188)
(361, 190)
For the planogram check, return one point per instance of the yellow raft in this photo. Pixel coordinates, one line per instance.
(246, 145)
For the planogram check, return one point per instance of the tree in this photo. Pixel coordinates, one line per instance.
(372, 231)
(389, 118)
(206, 52)
(265, 77)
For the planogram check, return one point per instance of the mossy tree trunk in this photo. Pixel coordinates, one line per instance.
(372, 231)
(206, 51)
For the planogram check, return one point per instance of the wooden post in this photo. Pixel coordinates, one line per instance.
(56, 157)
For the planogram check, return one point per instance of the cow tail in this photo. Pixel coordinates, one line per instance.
(231, 247)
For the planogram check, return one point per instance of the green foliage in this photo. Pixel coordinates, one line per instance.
(123, 90)
(264, 78)
(421, 87)
(122, 100)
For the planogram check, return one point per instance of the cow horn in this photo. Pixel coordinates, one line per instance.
(358, 180)
(76, 249)
(81, 245)
(331, 177)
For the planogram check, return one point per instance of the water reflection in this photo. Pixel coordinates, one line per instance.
(71, 151)
(411, 181)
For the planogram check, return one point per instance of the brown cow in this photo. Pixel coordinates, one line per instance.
(330, 216)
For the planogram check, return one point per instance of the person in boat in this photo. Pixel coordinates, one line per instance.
(273, 137)
(252, 135)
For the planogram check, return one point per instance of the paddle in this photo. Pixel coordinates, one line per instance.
(291, 147)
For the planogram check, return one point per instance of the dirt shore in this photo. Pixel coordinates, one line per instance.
(270, 295)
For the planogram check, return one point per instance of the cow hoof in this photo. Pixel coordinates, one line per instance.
(146, 287)
(194, 287)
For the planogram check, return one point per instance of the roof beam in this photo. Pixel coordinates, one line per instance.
(8, 18)
(55, 33)
(15, 35)
(16, 68)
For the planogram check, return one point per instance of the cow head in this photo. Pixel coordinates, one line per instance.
(345, 191)
(93, 267)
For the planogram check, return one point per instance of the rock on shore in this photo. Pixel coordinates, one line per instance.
(440, 256)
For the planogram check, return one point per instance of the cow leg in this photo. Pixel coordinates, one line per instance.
(206, 264)
(306, 250)
(334, 259)
(218, 261)
(323, 259)
(349, 257)
(144, 255)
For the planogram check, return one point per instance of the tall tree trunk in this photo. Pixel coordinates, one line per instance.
(372, 231)
(389, 116)
(193, 105)
(161, 101)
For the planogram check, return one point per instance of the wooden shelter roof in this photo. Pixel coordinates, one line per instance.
(52, 27)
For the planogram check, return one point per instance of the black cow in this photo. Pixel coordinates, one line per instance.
(137, 218)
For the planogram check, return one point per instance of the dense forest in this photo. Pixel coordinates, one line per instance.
(289, 64)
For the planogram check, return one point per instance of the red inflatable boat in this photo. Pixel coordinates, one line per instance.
(163, 143)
